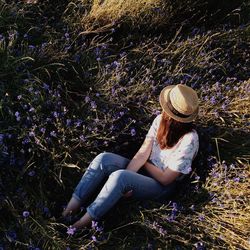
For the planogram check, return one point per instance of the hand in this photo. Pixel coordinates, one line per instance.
(128, 194)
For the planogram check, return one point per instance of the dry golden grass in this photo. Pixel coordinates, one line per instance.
(227, 217)
(238, 107)
(104, 14)
(116, 9)
(240, 102)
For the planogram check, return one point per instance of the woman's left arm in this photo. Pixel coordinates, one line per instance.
(165, 177)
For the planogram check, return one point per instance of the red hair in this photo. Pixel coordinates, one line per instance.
(170, 131)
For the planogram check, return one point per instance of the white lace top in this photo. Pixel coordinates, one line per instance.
(178, 158)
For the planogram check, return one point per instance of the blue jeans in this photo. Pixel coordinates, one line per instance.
(111, 167)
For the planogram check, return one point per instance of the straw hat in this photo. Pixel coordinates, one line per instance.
(180, 102)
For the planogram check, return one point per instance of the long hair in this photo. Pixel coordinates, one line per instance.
(170, 131)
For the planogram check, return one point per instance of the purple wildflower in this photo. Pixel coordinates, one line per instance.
(213, 100)
(87, 99)
(94, 238)
(123, 54)
(31, 134)
(197, 177)
(173, 212)
(31, 109)
(78, 123)
(53, 133)
(115, 64)
(43, 130)
(55, 114)
(214, 200)
(82, 138)
(175, 205)
(4, 150)
(157, 112)
(94, 224)
(113, 91)
(67, 48)
(17, 115)
(31, 47)
(224, 106)
(236, 179)
(201, 217)
(25, 141)
(1, 138)
(46, 86)
(93, 105)
(99, 229)
(26, 214)
(71, 230)
(68, 122)
(43, 46)
(133, 132)
(31, 173)
(97, 51)
(199, 246)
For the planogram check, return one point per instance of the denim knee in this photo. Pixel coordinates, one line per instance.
(100, 160)
(118, 178)
(103, 157)
(107, 159)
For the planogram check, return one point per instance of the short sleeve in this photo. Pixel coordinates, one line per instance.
(152, 132)
(182, 157)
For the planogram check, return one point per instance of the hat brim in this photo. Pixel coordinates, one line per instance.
(163, 103)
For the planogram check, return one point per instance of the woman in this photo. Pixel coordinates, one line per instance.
(166, 154)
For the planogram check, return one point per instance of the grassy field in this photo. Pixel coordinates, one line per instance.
(81, 77)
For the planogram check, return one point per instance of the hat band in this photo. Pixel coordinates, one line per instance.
(174, 111)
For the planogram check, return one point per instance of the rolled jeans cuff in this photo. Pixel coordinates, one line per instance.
(76, 197)
(92, 215)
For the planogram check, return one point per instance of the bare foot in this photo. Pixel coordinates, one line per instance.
(85, 221)
(78, 225)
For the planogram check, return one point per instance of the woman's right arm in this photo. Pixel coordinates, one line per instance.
(141, 156)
